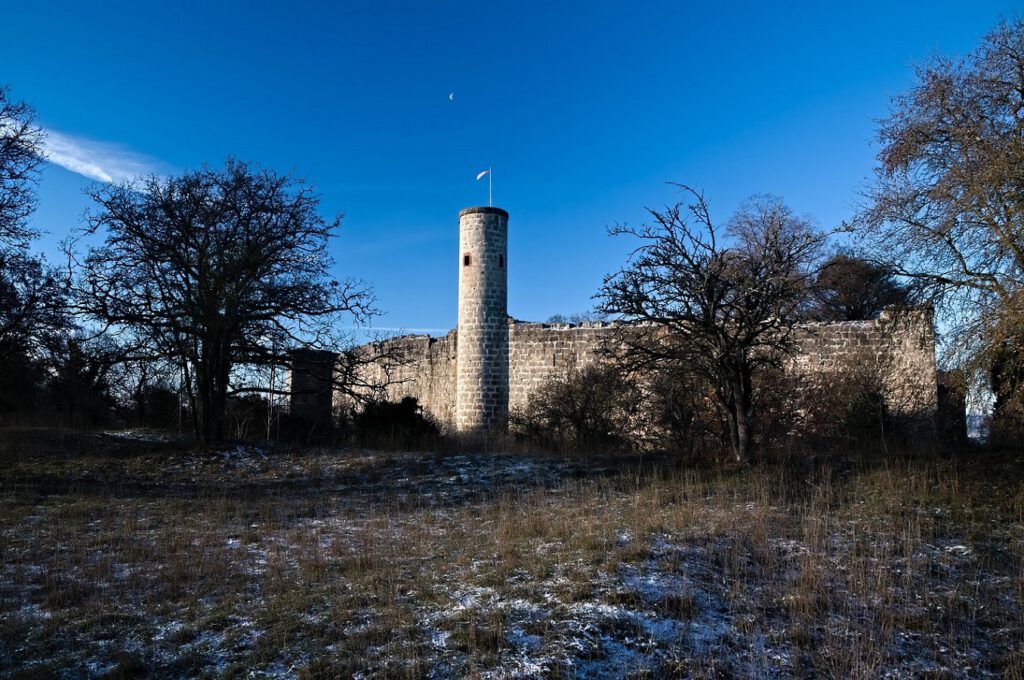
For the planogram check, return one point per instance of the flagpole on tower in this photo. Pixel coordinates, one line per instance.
(490, 185)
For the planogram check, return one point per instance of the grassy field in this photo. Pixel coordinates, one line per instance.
(126, 555)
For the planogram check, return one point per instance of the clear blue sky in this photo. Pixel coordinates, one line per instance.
(583, 109)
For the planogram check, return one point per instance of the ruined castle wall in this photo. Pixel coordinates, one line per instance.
(426, 371)
(898, 348)
(537, 352)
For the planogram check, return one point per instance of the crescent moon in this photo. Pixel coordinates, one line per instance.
(451, 96)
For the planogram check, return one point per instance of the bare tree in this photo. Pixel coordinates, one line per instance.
(725, 312)
(850, 288)
(946, 208)
(212, 270)
(32, 303)
(33, 317)
(29, 292)
(20, 157)
(576, 318)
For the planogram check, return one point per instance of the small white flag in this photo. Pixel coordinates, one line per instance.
(480, 175)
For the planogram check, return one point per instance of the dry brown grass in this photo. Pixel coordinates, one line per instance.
(122, 557)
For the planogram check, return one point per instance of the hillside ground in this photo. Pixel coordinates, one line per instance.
(127, 554)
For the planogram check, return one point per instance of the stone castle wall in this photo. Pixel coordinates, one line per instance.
(536, 352)
(539, 351)
(898, 348)
(428, 372)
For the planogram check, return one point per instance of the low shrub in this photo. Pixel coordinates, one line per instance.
(393, 425)
(595, 408)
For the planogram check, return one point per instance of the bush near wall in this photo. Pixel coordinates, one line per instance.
(591, 409)
(849, 407)
(393, 425)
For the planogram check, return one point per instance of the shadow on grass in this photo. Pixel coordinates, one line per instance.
(149, 465)
(144, 464)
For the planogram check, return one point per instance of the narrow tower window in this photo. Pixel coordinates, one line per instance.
(501, 261)
(466, 260)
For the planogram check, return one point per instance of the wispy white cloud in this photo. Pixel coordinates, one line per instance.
(103, 161)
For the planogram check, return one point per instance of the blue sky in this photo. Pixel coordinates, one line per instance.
(584, 110)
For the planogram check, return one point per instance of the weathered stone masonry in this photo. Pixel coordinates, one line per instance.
(536, 353)
(472, 377)
(899, 348)
(481, 383)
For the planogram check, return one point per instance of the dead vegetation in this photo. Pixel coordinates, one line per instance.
(125, 555)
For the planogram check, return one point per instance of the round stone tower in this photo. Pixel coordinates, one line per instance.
(481, 388)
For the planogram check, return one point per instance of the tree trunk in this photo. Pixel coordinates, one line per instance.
(221, 391)
(211, 395)
(739, 409)
(745, 408)
(743, 437)
(734, 428)
(202, 421)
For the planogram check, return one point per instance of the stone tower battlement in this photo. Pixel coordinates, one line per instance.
(481, 392)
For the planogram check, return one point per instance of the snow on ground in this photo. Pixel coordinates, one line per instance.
(257, 562)
(139, 435)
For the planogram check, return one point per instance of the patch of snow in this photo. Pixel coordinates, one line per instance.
(439, 638)
(166, 629)
(33, 612)
(958, 550)
(139, 435)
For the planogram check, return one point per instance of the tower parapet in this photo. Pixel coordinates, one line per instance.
(482, 372)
